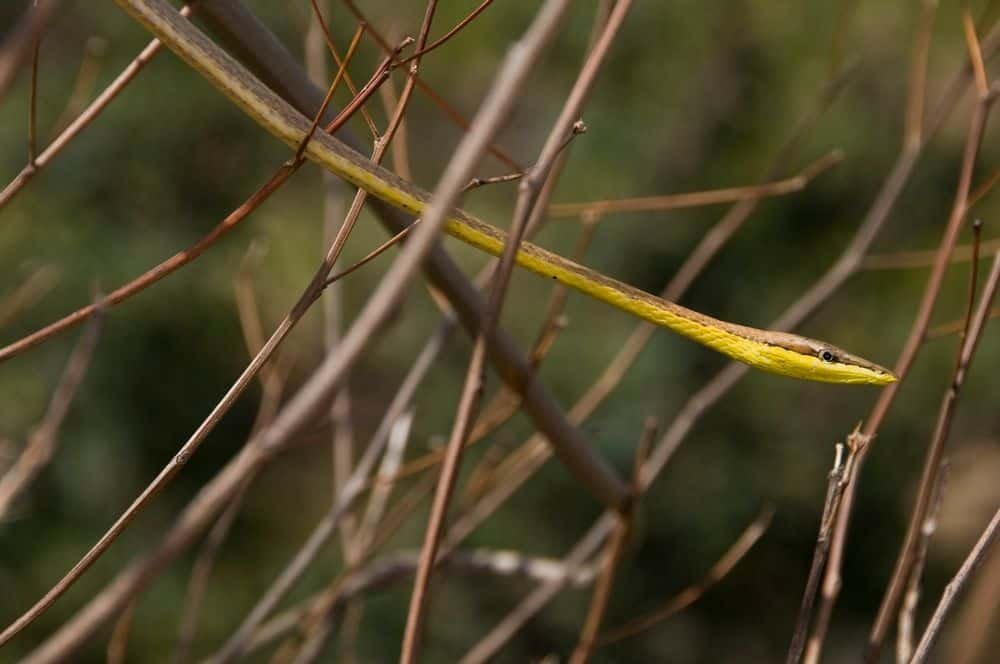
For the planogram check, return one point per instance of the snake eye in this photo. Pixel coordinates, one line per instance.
(827, 356)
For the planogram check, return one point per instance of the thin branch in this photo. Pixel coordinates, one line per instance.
(701, 198)
(20, 41)
(506, 403)
(577, 558)
(341, 63)
(839, 476)
(118, 643)
(399, 566)
(355, 40)
(236, 644)
(195, 440)
(911, 599)
(534, 452)
(517, 66)
(844, 267)
(832, 581)
(615, 547)
(335, 236)
(924, 258)
(42, 443)
(323, 614)
(371, 255)
(913, 120)
(399, 435)
(475, 183)
(85, 118)
(200, 574)
(439, 101)
(975, 53)
(32, 289)
(83, 85)
(908, 355)
(970, 637)
(401, 146)
(733, 555)
(932, 463)
(269, 57)
(986, 187)
(448, 35)
(272, 385)
(956, 586)
(33, 105)
(955, 326)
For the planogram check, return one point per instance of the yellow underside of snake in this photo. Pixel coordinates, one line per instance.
(776, 352)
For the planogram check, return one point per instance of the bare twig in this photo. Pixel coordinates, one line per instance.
(932, 463)
(699, 403)
(118, 643)
(342, 441)
(236, 644)
(913, 125)
(615, 548)
(971, 634)
(20, 43)
(41, 444)
(38, 283)
(956, 586)
(448, 35)
(839, 476)
(701, 198)
(747, 539)
(85, 118)
(401, 146)
(234, 5)
(908, 355)
(955, 326)
(33, 105)
(915, 259)
(371, 255)
(272, 387)
(438, 100)
(280, 70)
(399, 435)
(475, 183)
(975, 52)
(83, 86)
(517, 66)
(911, 599)
(533, 453)
(400, 402)
(399, 566)
(584, 550)
(904, 164)
(192, 444)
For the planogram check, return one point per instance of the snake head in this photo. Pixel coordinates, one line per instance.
(812, 359)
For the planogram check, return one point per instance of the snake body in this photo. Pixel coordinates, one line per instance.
(776, 352)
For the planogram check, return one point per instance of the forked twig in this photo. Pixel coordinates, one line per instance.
(840, 475)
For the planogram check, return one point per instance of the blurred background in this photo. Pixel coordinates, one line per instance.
(693, 96)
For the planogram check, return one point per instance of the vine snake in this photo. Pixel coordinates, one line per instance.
(775, 352)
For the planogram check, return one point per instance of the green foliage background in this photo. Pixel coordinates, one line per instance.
(694, 96)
